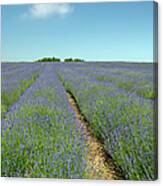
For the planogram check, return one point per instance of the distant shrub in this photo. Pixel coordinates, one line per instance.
(78, 60)
(73, 60)
(48, 59)
(54, 59)
(68, 60)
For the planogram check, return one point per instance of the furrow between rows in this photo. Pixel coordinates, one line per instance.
(99, 163)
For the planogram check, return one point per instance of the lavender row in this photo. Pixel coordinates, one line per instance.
(123, 121)
(15, 83)
(133, 78)
(40, 136)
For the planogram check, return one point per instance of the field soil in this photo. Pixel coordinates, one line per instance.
(100, 165)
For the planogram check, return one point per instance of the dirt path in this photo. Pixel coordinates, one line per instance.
(100, 165)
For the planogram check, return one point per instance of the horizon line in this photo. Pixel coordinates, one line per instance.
(89, 61)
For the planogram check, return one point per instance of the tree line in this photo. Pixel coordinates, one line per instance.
(54, 59)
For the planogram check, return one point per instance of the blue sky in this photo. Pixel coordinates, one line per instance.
(92, 31)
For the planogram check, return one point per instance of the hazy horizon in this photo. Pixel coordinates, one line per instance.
(80, 62)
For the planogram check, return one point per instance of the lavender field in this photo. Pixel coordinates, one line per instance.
(43, 137)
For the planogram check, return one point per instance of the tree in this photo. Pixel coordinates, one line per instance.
(68, 60)
(49, 59)
(78, 60)
(54, 59)
(73, 60)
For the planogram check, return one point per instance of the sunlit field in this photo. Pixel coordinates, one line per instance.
(43, 137)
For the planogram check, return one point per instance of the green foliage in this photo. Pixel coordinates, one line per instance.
(49, 59)
(54, 59)
(78, 60)
(68, 60)
(73, 60)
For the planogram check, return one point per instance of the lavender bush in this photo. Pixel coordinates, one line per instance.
(121, 118)
(40, 136)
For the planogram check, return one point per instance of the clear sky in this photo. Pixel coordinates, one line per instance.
(92, 31)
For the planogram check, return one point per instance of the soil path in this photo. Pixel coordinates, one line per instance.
(100, 165)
